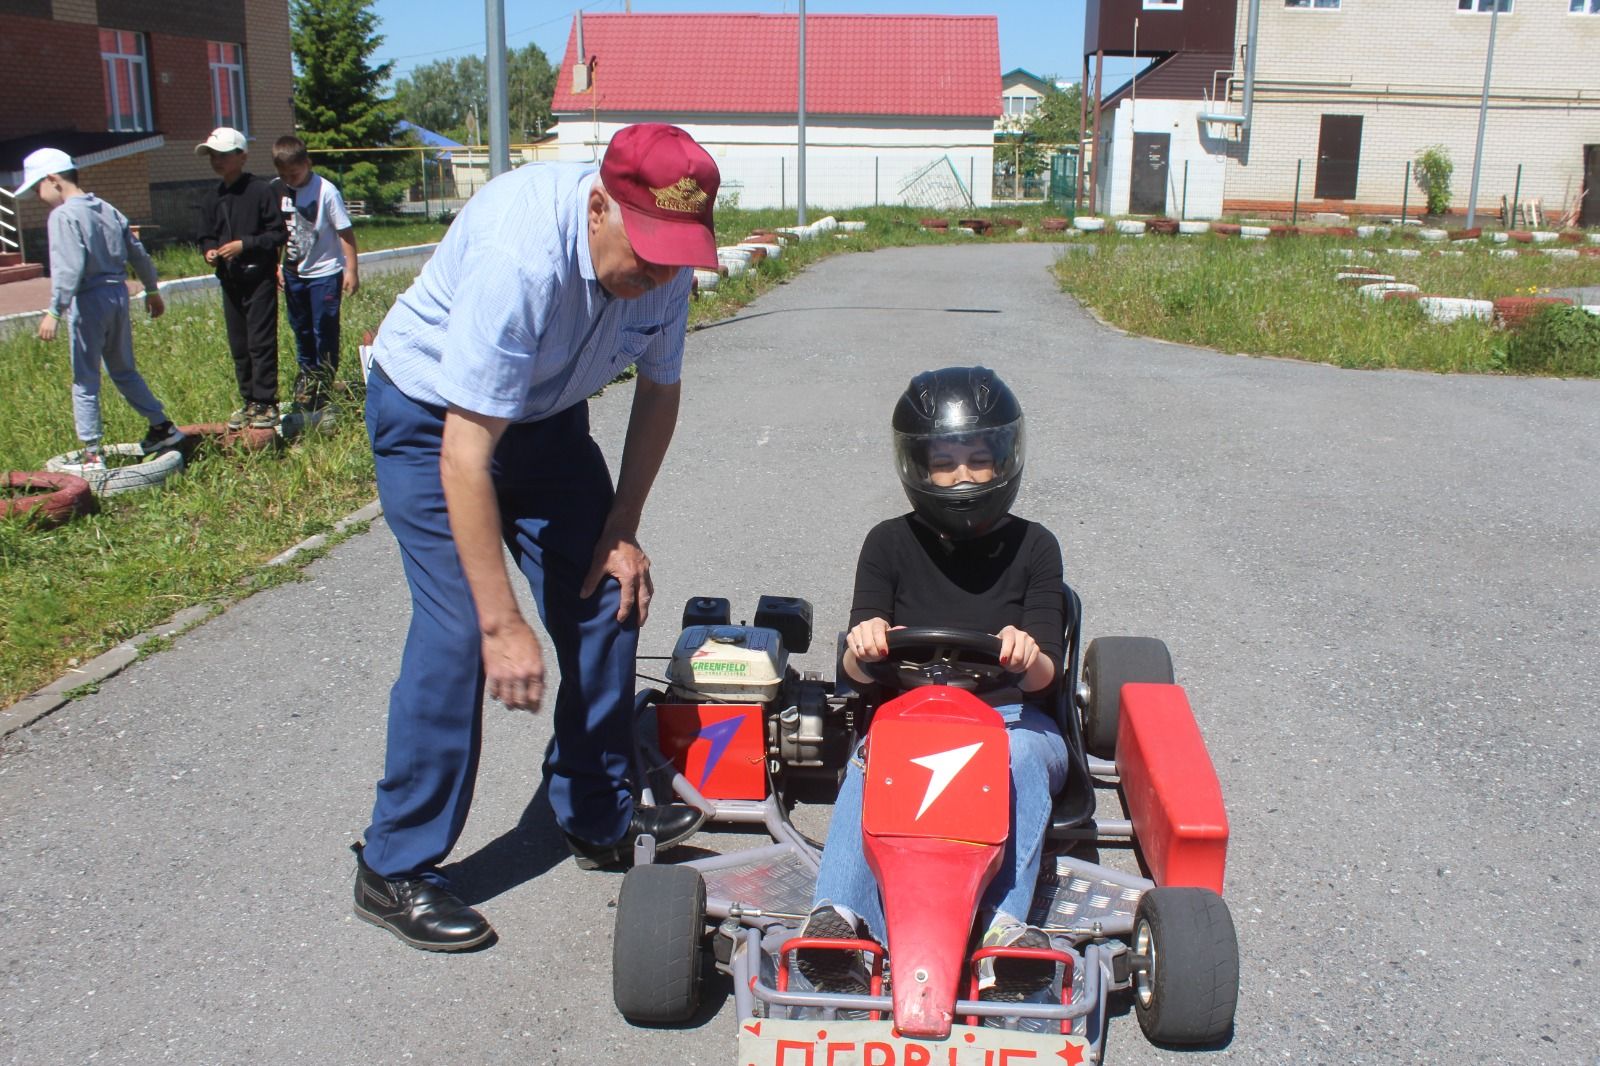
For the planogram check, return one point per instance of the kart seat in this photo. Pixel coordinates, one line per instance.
(1074, 805)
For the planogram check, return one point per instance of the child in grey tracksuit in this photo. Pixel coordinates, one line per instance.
(91, 246)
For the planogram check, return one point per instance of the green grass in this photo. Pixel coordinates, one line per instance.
(72, 592)
(372, 234)
(1278, 297)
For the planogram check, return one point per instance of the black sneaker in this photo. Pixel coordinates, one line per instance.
(241, 418)
(1008, 980)
(305, 390)
(166, 435)
(263, 416)
(838, 972)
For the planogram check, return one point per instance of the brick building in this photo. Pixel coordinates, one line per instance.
(129, 87)
(1345, 93)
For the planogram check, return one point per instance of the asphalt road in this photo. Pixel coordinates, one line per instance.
(1379, 589)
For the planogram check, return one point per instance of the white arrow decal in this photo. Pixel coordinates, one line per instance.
(945, 766)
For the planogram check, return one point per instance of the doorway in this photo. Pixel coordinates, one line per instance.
(1338, 157)
(1151, 152)
(1589, 212)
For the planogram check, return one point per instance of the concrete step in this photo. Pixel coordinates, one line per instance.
(10, 259)
(22, 272)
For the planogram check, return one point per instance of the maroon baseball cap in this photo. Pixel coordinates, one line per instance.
(666, 185)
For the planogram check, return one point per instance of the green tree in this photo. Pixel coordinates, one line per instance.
(1031, 140)
(338, 96)
(1432, 170)
(444, 95)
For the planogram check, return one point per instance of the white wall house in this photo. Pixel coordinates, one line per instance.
(1196, 165)
(888, 98)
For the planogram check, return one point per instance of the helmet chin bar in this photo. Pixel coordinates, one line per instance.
(967, 513)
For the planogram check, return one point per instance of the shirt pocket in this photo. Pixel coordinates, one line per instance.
(632, 341)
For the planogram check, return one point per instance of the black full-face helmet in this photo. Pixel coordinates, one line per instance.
(961, 414)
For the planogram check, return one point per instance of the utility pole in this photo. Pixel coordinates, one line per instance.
(800, 176)
(499, 117)
(1483, 121)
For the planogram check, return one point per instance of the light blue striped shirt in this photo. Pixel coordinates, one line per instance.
(507, 319)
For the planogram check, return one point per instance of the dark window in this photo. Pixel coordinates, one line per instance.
(1338, 157)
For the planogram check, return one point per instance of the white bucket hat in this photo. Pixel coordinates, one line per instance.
(222, 139)
(40, 165)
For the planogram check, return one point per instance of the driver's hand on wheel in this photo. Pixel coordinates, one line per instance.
(513, 667)
(1018, 650)
(869, 641)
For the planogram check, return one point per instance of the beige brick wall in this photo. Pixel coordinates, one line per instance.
(124, 183)
(269, 71)
(86, 11)
(1414, 70)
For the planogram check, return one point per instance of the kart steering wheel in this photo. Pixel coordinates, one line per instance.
(935, 655)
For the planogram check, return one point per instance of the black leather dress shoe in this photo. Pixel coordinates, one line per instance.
(417, 911)
(671, 824)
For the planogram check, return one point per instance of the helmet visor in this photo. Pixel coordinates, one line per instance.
(960, 462)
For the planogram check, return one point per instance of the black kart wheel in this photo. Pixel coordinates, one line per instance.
(655, 956)
(1108, 664)
(1185, 967)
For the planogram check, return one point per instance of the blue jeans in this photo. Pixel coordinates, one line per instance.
(313, 306)
(554, 493)
(1038, 771)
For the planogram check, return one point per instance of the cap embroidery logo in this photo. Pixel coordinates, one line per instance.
(685, 196)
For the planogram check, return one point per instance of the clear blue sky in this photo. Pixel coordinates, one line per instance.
(1043, 36)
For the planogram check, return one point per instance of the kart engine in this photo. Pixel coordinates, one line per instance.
(804, 730)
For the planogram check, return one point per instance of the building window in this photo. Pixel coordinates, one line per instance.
(122, 55)
(1018, 106)
(1484, 6)
(1319, 5)
(227, 85)
(1585, 7)
(1163, 5)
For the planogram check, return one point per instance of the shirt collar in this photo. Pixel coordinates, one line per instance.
(585, 261)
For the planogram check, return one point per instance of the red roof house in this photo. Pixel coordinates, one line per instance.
(899, 108)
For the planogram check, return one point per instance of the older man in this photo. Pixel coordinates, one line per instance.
(553, 280)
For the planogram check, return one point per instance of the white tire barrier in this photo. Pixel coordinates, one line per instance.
(853, 227)
(1451, 253)
(1376, 292)
(1544, 237)
(111, 480)
(1500, 237)
(735, 267)
(1593, 309)
(1433, 235)
(1363, 276)
(1405, 253)
(1594, 238)
(1561, 253)
(1255, 231)
(1450, 308)
(1130, 227)
(1504, 253)
(773, 251)
(707, 279)
(1190, 229)
(1089, 224)
(1366, 231)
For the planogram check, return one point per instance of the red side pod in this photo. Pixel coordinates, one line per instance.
(936, 810)
(1171, 788)
(717, 746)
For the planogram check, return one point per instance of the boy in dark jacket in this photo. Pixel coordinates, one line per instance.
(241, 233)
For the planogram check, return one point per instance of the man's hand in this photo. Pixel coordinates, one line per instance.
(1018, 650)
(47, 327)
(231, 250)
(351, 284)
(280, 279)
(513, 666)
(869, 641)
(619, 555)
(154, 303)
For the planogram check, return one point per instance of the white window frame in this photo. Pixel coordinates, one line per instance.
(1163, 5)
(234, 72)
(142, 118)
(1484, 7)
(1311, 5)
(1584, 7)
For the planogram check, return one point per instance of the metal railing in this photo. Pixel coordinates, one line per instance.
(10, 225)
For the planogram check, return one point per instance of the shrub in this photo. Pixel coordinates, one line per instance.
(1433, 169)
(1558, 340)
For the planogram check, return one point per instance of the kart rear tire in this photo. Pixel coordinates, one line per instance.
(1187, 990)
(656, 953)
(1108, 664)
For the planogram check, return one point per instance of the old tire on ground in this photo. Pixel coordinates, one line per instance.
(247, 439)
(1108, 664)
(50, 498)
(1187, 985)
(655, 954)
(148, 472)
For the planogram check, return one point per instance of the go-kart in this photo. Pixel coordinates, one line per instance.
(742, 736)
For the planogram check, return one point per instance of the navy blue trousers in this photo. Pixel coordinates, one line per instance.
(554, 492)
(313, 306)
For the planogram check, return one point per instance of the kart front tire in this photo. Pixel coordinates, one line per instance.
(1108, 664)
(655, 955)
(1186, 974)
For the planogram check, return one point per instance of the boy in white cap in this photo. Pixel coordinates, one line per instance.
(242, 233)
(91, 245)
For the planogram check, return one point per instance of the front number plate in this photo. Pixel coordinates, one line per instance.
(765, 1042)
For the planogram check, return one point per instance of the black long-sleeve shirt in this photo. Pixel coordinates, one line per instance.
(911, 576)
(248, 212)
